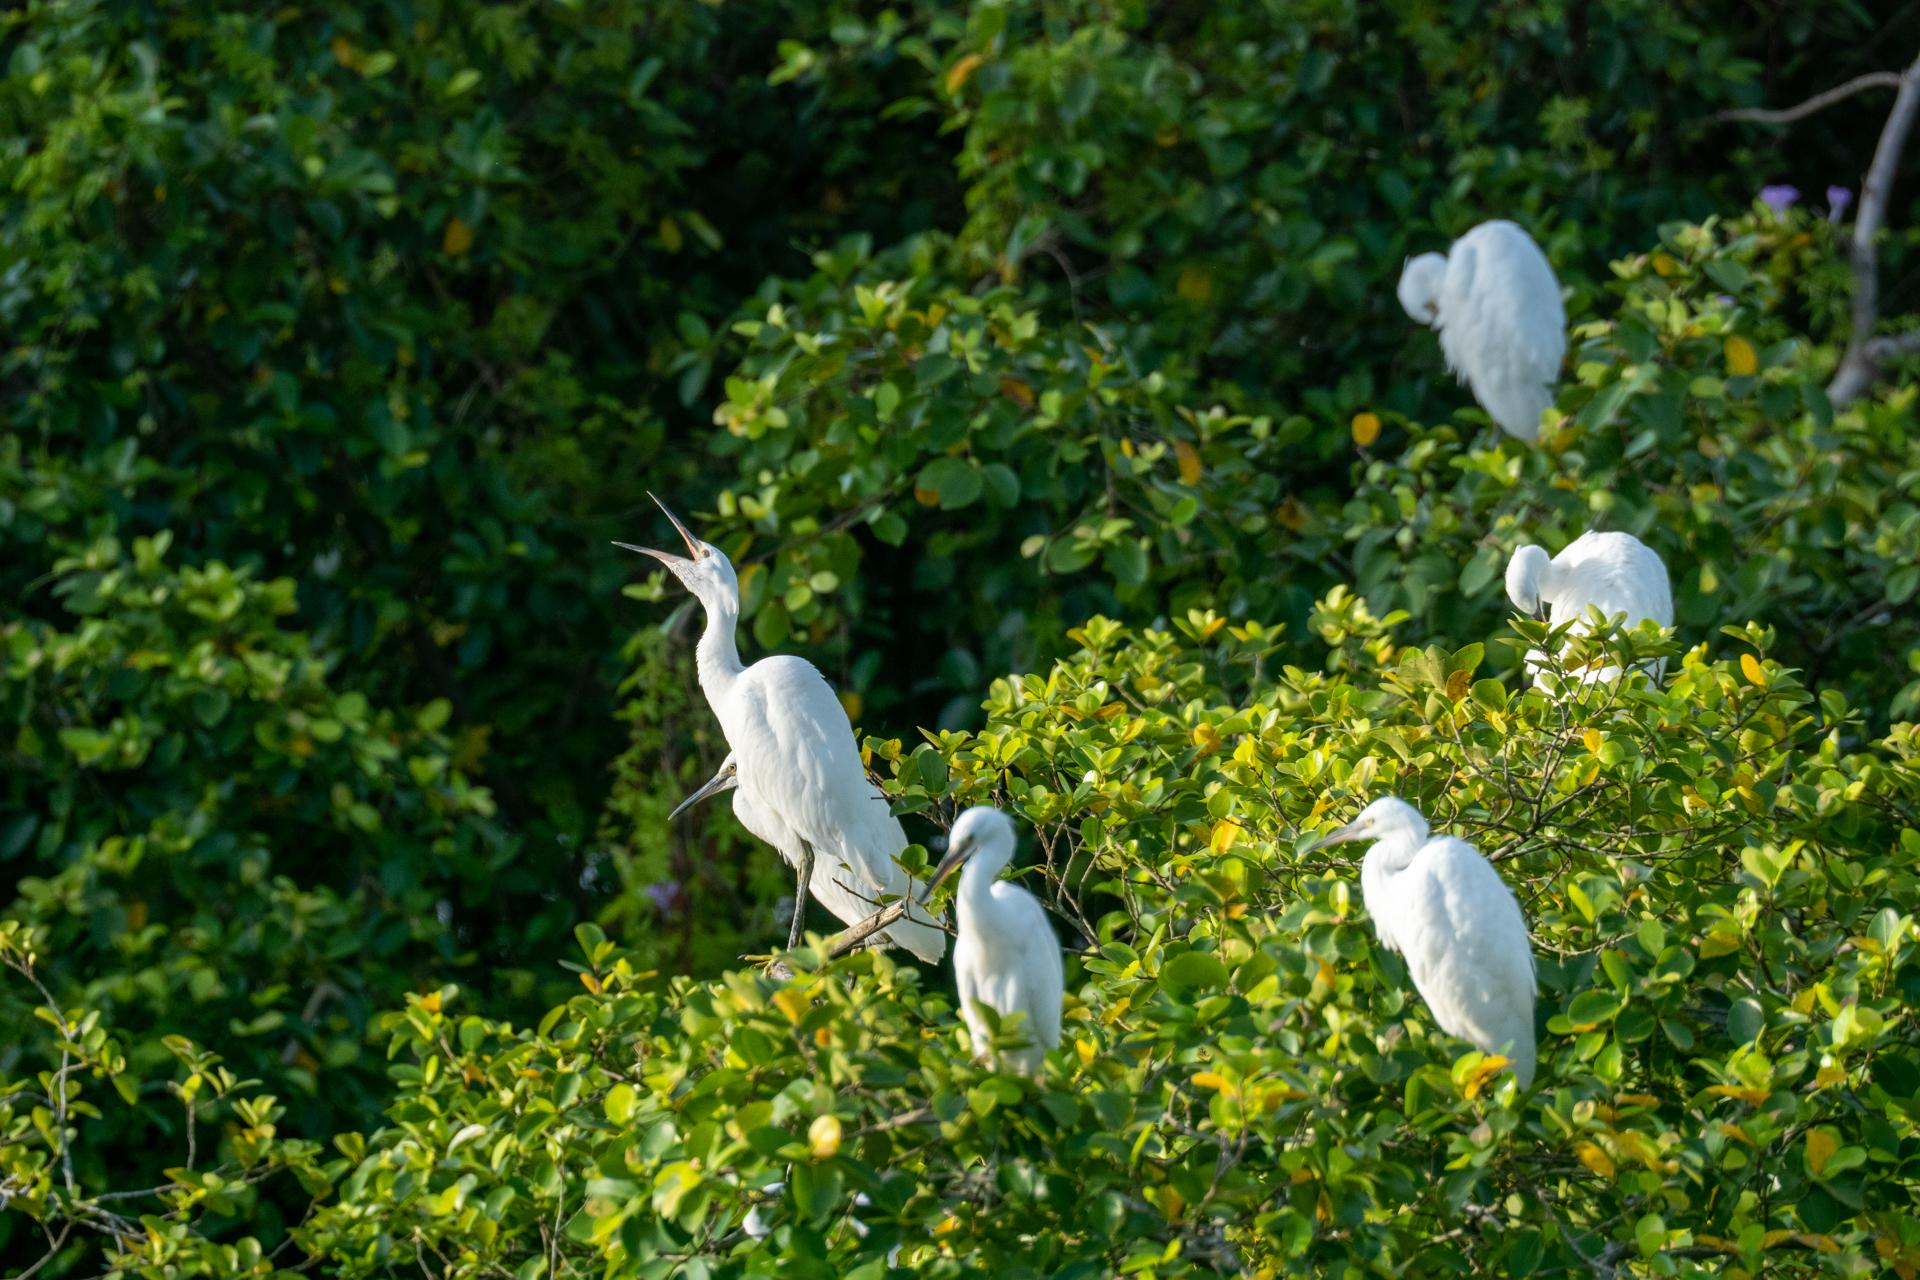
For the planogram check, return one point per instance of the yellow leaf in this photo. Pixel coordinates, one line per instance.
(1750, 667)
(1017, 391)
(1663, 265)
(851, 702)
(823, 1137)
(590, 982)
(431, 1002)
(1366, 428)
(1195, 285)
(1478, 1077)
(1126, 447)
(343, 51)
(457, 239)
(1207, 738)
(946, 1225)
(1083, 1048)
(1752, 1097)
(791, 1003)
(1189, 462)
(926, 497)
(670, 237)
(1226, 833)
(1213, 1080)
(962, 71)
(1742, 360)
(1594, 1158)
(1821, 1144)
(822, 1037)
(1593, 740)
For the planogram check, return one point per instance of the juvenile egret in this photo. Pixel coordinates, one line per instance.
(1495, 300)
(802, 787)
(1443, 906)
(1615, 573)
(827, 888)
(1006, 956)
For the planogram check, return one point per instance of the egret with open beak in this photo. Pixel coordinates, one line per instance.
(794, 765)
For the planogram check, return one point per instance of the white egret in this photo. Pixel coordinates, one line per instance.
(1006, 956)
(1615, 573)
(801, 785)
(1444, 907)
(1496, 302)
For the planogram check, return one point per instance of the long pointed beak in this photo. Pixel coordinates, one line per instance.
(694, 549)
(948, 865)
(718, 782)
(1341, 836)
(665, 558)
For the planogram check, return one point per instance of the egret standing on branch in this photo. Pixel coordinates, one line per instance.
(1006, 957)
(1496, 303)
(802, 787)
(1444, 907)
(1615, 573)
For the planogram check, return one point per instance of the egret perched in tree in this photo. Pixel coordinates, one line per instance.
(802, 787)
(1444, 907)
(1615, 573)
(1496, 303)
(1006, 956)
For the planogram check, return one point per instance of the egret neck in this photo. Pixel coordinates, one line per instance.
(718, 656)
(974, 900)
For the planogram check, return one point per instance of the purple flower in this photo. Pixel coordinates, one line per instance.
(1838, 198)
(668, 896)
(1780, 198)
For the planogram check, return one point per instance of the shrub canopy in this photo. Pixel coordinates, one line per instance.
(1039, 367)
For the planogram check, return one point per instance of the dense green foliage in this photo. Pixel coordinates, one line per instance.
(1053, 339)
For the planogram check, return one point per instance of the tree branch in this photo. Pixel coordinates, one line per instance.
(848, 939)
(1861, 363)
(1818, 102)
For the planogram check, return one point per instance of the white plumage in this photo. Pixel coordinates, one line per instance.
(1006, 956)
(1444, 907)
(1615, 573)
(802, 787)
(1496, 302)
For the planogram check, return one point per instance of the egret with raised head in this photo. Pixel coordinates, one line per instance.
(1443, 906)
(1006, 956)
(1496, 302)
(1615, 573)
(793, 758)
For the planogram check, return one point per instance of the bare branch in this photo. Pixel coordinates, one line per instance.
(1818, 102)
(1861, 364)
(848, 939)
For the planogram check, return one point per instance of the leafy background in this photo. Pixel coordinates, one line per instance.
(1022, 356)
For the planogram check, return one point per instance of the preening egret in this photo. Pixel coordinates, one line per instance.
(1615, 573)
(1444, 907)
(1495, 300)
(801, 786)
(1006, 956)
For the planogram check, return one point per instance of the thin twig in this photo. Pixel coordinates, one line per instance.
(1818, 102)
(1861, 364)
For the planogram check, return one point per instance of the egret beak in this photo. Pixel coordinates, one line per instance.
(1342, 836)
(695, 551)
(956, 854)
(719, 782)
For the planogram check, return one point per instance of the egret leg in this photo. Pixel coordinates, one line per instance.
(800, 895)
